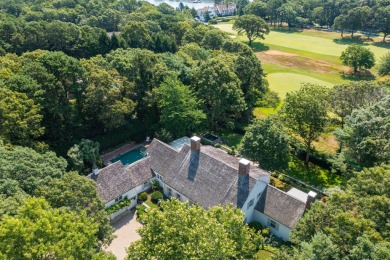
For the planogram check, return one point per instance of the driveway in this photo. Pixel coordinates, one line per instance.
(125, 231)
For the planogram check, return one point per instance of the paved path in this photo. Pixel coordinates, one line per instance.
(125, 232)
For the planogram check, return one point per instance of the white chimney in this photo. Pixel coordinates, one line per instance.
(195, 144)
(95, 170)
(310, 199)
(244, 166)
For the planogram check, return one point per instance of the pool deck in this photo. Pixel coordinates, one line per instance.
(121, 150)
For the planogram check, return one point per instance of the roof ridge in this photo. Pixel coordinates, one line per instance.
(166, 145)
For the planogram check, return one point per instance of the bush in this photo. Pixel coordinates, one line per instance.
(116, 207)
(213, 21)
(142, 196)
(141, 210)
(156, 196)
(265, 232)
(255, 225)
(155, 185)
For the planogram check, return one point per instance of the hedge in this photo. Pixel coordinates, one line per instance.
(156, 196)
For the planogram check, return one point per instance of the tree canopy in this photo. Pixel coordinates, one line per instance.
(254, 27)
(357, 57)
(181, 231)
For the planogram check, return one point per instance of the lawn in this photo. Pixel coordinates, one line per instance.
(264, 255)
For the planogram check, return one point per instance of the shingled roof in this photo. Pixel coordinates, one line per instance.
(208, 177)
(116, 179)
(280, 206)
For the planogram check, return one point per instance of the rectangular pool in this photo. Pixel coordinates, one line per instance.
(131, 156)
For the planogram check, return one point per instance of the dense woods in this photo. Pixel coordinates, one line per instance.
(115, 70)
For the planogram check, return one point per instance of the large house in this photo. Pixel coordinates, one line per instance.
(207, 176)
(216, 10)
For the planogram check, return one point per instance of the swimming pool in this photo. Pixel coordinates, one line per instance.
(131, 156)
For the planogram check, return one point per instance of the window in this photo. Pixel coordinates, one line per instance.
(273, 224)
(258, 195)
(169, 192)
(119, 198)
(250, 204)
(178, 196)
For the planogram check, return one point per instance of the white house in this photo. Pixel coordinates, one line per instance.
(216, 10)
(208, 177)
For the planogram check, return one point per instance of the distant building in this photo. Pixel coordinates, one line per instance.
(216, 10)
(207, 176)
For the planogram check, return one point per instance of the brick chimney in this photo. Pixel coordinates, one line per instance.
(310, 199)
(195, 144)
(244, 166)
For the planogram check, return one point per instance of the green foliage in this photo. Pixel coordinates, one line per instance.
(213, 40)
(39, 230)
(357, 57)
(181, 231)
(305, 113)
(29, 168)
(20, 118)
(89, 150)
(344, 222)
(384, 65)
(267, 143)
(365, 136)
(79, 194)
(255, 225)
(155, 185)
(142, 196)
(156, 196)
(118, 206)
(254, 27)
(180, 113)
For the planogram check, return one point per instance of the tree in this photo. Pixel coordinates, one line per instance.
(180, 113)
(384, 65)
(357, 57)
(180, 231)
(20, 118)
(366, 136)
(89, 151)
(212, 40)
(39, 231)
(207, 16)
(79, 194)
(253, 26)
(382, 20)
(345, 218)
(257, 8)
(357, 18)
(345, 98)
(320, 247)
(31, 169)
(266, 142)
(305, 113)
(221, 96)
(137, 35)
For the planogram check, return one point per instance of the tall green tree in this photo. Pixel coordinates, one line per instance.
(89, 151)
(218, 88)
(366, 136)
(345, 98)
(180, 110)
(254, 27)
(180, 231)
(258, 8)
(20, 118)
(305, 113)
(79, 194)
(267, 143)
(357, 57)
(384, 65)
(382, 20)
(39, 231)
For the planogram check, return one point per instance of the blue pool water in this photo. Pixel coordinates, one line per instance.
(131, 156)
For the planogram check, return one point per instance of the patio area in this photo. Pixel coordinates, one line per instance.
(125, 231)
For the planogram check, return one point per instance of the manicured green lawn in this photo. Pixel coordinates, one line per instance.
(287, 82)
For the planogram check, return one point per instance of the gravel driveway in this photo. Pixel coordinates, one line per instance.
(125, 231)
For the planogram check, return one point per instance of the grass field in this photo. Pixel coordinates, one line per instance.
(290, 58)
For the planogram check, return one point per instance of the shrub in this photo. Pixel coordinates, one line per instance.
(155, 185)
(265, 232)
(255, 225)
(213, 21)
(140, 212)
(156, 196)
(142, 196)
(116, 207)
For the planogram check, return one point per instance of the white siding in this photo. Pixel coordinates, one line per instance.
(258, 188)
(132, 193)
(283, 232)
